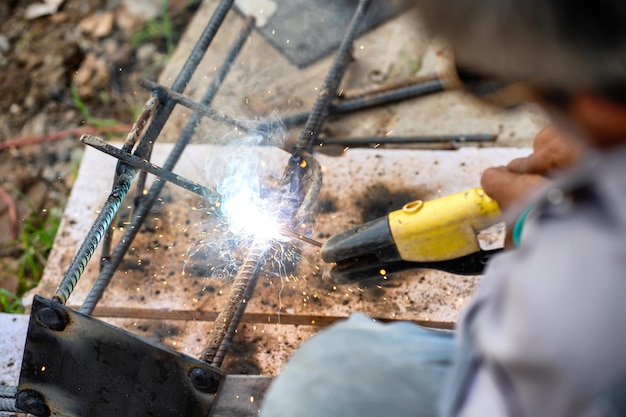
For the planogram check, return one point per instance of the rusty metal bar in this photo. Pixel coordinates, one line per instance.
(329, 89)
(127, 174)
(150, 107)
(409, 140)
(195, 106)
(147, 166)
(143, 209)
(368, 101)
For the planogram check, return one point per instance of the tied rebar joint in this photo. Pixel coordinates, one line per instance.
(32, 402)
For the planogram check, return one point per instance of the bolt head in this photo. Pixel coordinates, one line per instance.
(204, 380)
(52, 318)
(32, 402)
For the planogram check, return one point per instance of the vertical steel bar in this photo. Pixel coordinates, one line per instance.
(328, 91)
(144, 208)
(245, 276)
(148, 110)
(127, 174)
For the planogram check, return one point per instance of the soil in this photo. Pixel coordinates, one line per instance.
(75, 67)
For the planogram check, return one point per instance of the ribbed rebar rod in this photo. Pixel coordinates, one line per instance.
(8, 391)
(149, 108)
(195, 106)
(147, 166)
(373, 100)
(227, 341)
(409, 140)
(224, 319)
(334, 76)
(8, 405)
(94, 236)
(126, 172)
(153, 194)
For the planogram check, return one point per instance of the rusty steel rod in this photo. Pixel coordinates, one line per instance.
(409, 140)
(150, 107)
(127, 174)
(142, 210)
(328, 92)
(195, 106)
(224, 326)
(147, 166)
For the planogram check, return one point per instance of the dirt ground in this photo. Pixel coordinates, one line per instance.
(75, 67)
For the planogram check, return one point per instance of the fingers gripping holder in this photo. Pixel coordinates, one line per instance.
(75, 365)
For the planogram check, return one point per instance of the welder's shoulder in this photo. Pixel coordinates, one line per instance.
(552, 312)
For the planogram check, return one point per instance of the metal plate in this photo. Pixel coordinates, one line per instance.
(80, 366)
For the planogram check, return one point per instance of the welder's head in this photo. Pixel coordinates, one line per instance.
(558, 48)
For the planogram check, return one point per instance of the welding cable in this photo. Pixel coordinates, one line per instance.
(8, 391)
(328, 92)
(142, 211)
(8, 405)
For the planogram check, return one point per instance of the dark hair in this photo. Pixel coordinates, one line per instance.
(565, 45)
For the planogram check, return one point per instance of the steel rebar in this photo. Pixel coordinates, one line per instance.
(366, 102)
(8, 405)
(195, 106)
(409, 140)
(224, 321)
(334, 76)
(144, 165)
(143, 209)
(8, 391)
(127, 174)
(149, 108)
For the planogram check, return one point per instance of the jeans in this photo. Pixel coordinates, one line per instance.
(362, 368)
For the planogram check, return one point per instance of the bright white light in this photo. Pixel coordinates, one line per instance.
(249, 215)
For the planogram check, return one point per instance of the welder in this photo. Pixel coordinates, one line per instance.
(544, 334)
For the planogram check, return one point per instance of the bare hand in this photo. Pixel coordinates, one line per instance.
(552, 151)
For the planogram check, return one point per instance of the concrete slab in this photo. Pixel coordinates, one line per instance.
(14, 328)
(182, 261)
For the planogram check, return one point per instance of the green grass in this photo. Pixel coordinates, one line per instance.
(160, 30)
(31, 250)
(10, 303)
(84, 111)
(35, 242)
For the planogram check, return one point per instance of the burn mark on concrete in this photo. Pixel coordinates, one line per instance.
(326, 204)
(379, 199)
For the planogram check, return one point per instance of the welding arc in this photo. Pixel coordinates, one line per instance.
(151, 197)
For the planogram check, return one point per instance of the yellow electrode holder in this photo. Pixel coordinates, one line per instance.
(445, 228)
